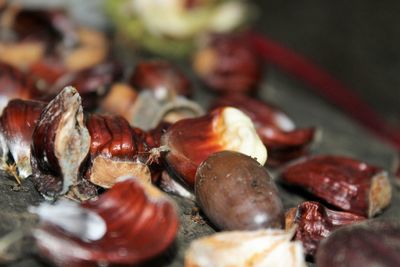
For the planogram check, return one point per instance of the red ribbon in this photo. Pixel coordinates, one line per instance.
(324, 84)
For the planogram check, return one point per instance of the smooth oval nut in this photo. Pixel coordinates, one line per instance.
(236, 193)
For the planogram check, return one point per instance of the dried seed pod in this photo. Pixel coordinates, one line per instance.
(371, 243)
(130, 223)
(160, 77)
(17, 123)
(266, 248)
(227, 64)
(116, 150)
(275, 128)
(315, 222)
(236, 193)
(191, 141)
(60, 144)
(346, 183)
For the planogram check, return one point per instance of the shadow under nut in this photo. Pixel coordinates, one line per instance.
(236, 193)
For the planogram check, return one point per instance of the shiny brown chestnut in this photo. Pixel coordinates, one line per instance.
(116, 150)
(235, 192)
(368, 244)
(160, 77)
(129, 224)
(191, 141)
(314, 222)
(228, 64)
(60, 144)
(346, 183)
(275, 128)
(17, 123)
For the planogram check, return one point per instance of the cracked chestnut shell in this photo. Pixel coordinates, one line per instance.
(346, 183)
(134, 222)
(237, 193)
(61, 142)
(314, 222)
(191, 141)
(277, 131)
(368, 244)
(17, 123)
(160, 77)
(116, 149)
(228, 64)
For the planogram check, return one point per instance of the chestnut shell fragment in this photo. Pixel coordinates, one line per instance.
(237, 193)
(315, 222)
(116, 149)
(17, 124)
(367, 244)
(228, 64)
(345, 183)
(160, 77)
(141, 222)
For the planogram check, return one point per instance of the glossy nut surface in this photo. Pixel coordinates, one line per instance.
(236, 193)
(116, 149)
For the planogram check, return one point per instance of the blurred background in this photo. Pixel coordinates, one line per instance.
(356, 41)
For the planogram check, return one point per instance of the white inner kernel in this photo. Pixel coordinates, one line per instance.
(261, 248)
(239, 134)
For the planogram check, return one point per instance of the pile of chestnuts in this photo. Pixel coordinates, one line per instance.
(80, 126)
